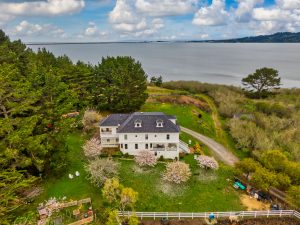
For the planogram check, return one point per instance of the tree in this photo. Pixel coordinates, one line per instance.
(207, 162)
(99, 170)
(177, 172)
(262, 82)
(119, 85)
(197, 149)
(113, 218)
(91, 119)
(293, 195)
(133, 220)
(145, 158)
(92, 148)
(12, 183)
(247, 166)
(128, 198)
(157, 81)
(263, 178)
(274, 160)
(111, 190)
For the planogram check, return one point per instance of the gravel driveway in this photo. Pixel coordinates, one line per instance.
(219, 150)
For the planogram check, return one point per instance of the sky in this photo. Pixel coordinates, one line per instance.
(145, 20)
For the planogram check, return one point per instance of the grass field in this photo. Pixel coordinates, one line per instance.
(187, 116)
(206, 191)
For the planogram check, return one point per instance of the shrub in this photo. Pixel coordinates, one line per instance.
(92, 148)
(145, 158)
(99, 170)
(90, 119)
(177, 172)
(207, 162)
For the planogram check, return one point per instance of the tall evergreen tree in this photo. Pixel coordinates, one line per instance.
(119, 84)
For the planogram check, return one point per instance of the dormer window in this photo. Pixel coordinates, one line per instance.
(137, 123)
(159, 123)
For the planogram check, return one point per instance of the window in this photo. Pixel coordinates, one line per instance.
(137, 123)
(126, 146)
(168, 136)
(146, 146)
(155, 135)
(159, 123)
(121, 145)
(107, 140)
(146, 136)
(136, 146)
(136, 135)
(125, 136)
(151, 145)
(107, 129)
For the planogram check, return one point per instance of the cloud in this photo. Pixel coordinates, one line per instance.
(92, 31)
(213, 15)
(128, 22)
(165, 7)
(244, 10)
(288, 4)
(284, 16)
(8, 10)
(29, 29)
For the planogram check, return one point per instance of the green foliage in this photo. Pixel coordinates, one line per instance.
(12, 182)
(113, 218)
(274, 160)
(156, 81)
(119, 85)
(294, 195)
(260, 83)
(133, 220)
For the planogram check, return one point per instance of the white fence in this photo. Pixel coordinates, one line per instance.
(241, 214)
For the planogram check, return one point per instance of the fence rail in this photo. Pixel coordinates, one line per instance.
(242, 214)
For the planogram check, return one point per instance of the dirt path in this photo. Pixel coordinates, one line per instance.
(215, 116)
(219, 150)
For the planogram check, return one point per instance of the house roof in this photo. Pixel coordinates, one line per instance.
(114, 120)
(148, 120)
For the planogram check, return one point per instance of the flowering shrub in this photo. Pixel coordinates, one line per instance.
(92, 148)
(177, 172)
(145, 158)
(91, 119)
(99, 170)
(207, 162)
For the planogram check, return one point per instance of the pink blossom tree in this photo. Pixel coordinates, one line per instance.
(177, 172)
(207, 162)
(92, 148)
(145, 158)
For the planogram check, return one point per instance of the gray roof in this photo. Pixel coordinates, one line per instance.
(114, 120)
(148, 119)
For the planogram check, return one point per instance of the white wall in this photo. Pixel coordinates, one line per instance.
(152, 137)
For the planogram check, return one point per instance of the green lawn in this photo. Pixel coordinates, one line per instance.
(204, 192)
(187, 116)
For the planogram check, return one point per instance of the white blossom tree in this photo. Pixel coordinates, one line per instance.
(177, 172)
(207, 162)
(145, 158)
(99, 170)
(92, 148)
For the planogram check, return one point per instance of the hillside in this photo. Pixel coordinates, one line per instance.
(285, 37)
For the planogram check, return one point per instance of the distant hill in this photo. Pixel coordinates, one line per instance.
(285, 37)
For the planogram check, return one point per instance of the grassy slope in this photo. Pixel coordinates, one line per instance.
(185, 116)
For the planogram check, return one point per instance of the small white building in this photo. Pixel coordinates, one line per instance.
(153, 131)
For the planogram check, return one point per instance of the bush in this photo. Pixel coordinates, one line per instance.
(177, 172)
(145, 158)
(92, 148)
(99, 170)
(91, 119)
(207, 162)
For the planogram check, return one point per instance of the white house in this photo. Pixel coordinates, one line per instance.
(153, 131)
